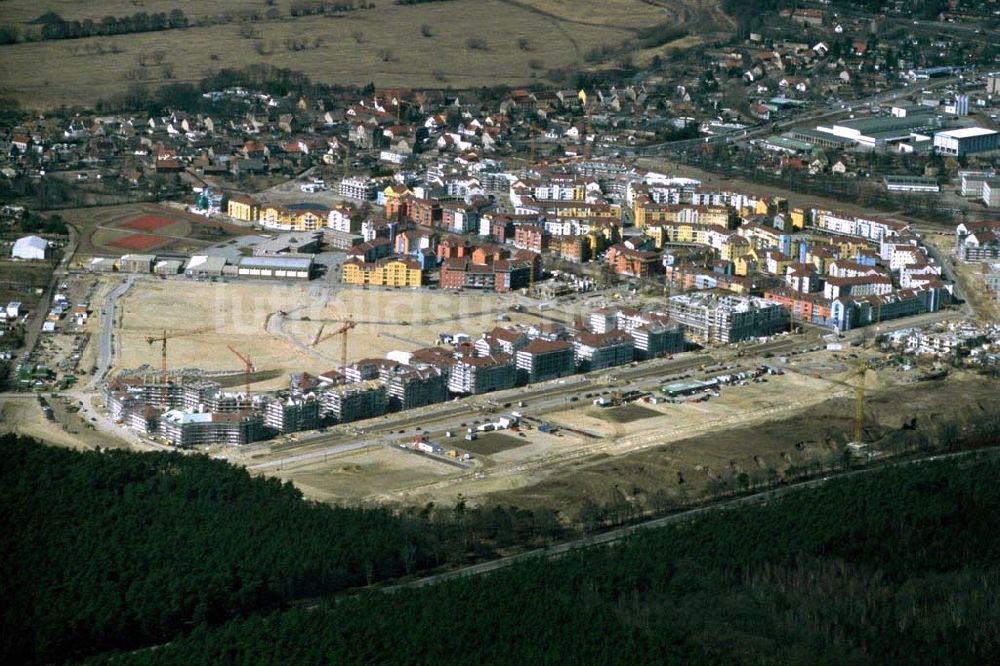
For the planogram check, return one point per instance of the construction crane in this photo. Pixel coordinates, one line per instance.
(859, 400)
(859, 403)
(248, 369)
(162, 339)
(347, 325)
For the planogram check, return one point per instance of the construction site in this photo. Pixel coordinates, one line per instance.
(561, 456)
(277, 324)
(342, 392)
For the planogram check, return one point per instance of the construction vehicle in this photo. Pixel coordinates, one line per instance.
(344, 328)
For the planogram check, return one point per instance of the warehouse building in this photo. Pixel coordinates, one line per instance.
(203, 265)
(292, 242)
(965, 141)
(727, 319)
(136, 263)
(30, 247)
(877, 131)
(297, 267)
(168, 267)
(911, 184)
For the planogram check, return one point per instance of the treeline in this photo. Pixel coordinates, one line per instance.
(660, 34)
(54, 26)
(416, 2)
(310, 7)
(747, 13)
(33, 223)
(119, 550)
(899, 566)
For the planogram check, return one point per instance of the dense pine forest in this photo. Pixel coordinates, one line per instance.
(105, 555)
(120, 550)
(901, 565)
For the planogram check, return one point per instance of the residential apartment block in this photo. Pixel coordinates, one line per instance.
(541, 360)
(727, 319)
(386, 272)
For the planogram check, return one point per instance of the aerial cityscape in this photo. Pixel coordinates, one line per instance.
(635, 331)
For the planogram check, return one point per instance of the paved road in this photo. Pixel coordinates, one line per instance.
(105, 349)
(539, 399)
(622, 533)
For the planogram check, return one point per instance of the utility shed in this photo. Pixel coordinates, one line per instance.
(286, 266)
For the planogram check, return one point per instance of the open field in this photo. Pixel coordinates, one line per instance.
(384, 45)
(899, 418)
(19, 279)
(116, 230)
(351, 475)
(139, 242)
(799, 420)
(390, 320)
(546, 458)
(22, 415)
(491, 443)
(242, 313)
(626, 413)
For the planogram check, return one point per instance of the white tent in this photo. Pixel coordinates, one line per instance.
(30, 247)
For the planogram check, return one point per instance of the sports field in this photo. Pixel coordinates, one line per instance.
(116, 230)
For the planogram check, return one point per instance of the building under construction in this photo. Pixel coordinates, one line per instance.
(727, 319)
(354, 402)
(186, 429)
(289, 414)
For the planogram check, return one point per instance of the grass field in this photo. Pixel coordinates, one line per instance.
(383, 45)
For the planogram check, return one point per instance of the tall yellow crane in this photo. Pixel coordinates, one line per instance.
(344, 328)
(859, 403)
(162, 339)
(248, 370)
(859, 400)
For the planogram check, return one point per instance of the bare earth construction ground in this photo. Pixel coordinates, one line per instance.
(752, 430)
(244, 314)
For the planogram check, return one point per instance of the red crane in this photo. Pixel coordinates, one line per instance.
(247, 371)
(345, 327)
